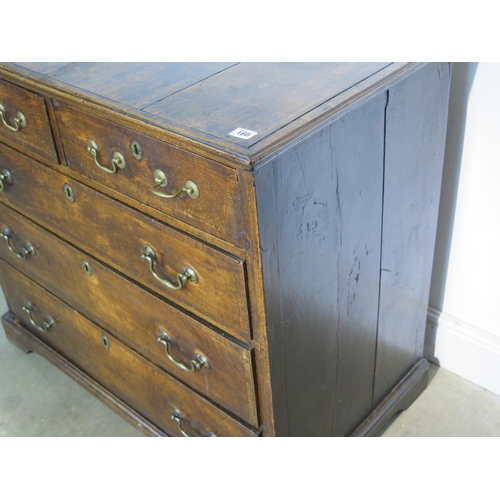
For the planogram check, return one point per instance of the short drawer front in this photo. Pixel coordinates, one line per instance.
(24, 121)
(216, 209)
(135, 316)
(133, 379)
(120, 236)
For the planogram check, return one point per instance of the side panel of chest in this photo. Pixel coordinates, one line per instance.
(320, 211)
(417, 111)
(347, 222)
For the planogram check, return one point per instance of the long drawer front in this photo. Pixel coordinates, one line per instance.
(198, 277)
(212, 364)
(146, 388)
(193, 189)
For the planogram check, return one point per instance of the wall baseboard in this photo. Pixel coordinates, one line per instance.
(464, 349)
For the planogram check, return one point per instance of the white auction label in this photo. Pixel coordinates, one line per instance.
(243, 133)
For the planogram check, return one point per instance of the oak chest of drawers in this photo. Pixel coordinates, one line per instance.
(224, 249)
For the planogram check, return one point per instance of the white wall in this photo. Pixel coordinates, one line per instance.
(465, 292)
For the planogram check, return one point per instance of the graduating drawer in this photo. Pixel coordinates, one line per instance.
(204, 359)
(24, 121)
(150, 391)
(202, 279)
(186, 186)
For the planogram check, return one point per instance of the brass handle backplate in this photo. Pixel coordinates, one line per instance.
(179, 418)
(198, 363)
(45, 326)
(5, 179)
(161, 181)
(117, 159)
(188, 274)
(25, 251)
(19, 120)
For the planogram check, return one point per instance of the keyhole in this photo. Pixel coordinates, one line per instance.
(87, 268)
(136, 150)
(105, 342)
(68, 191)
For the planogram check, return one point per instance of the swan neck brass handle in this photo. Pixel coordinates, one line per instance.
(19, 120)
(195, 364)
(161, 181)
(5, 179)
(45, 326)
(24, 253)
(179, 418)
(117, 160)
(188, 274)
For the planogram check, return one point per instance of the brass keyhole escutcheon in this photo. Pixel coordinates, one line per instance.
(87, 268)
(136, 149)
(105, 342)
(68, 191)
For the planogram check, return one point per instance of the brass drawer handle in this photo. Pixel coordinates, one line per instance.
(117, 160)
(45, 326)
(24, 253)
(19, 120)
(161, 181)
(188, 274)
(5, 179)
(196, 364)
(179, 418)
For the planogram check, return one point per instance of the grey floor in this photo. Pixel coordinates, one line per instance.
(36, 399)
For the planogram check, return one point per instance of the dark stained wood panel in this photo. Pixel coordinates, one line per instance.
(416, 125)
(262, 97)
(43, 67)
(357, 143)
(319, 210)
(136, 84)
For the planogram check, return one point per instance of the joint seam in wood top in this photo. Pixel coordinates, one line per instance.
(189, 86)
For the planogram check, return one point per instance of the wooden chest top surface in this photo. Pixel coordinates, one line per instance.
(205, 102)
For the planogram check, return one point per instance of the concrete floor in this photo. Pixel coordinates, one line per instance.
(36, 399)
(450, 406)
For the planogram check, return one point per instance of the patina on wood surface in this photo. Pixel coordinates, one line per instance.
(133, 315)
(312, 265)
(132, 378)
(218, 207)
(118, 234)
(36, 134)
(320, 209)
(28, 343)
(417, 112)
(280, 101)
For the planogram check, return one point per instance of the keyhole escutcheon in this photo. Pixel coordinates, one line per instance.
(68, 191)
(136, 149)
